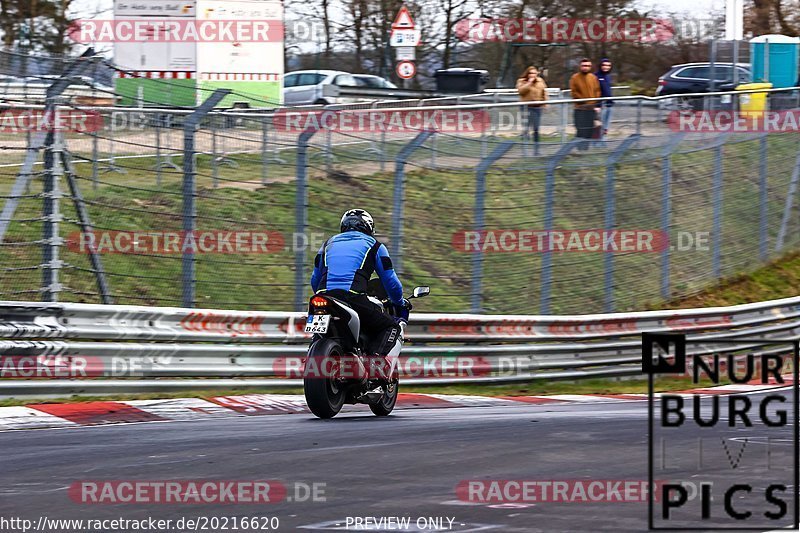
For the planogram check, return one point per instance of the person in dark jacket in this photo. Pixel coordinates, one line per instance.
(604, 77)
(343, 267)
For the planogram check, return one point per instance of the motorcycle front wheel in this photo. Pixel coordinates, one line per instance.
(324, 392)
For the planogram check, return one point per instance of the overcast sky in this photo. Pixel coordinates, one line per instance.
(688, 8)
(695, 7)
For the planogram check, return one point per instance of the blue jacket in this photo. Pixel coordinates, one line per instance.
(605, 86)
(347, 261)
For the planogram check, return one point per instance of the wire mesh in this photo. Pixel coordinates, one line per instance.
(726, 203)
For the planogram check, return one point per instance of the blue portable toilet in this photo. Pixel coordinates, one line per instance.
(775, 59)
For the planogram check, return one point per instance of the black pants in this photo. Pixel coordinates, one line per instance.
(381, 329)
(584, 122)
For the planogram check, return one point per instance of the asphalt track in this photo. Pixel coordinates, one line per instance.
(405, 465)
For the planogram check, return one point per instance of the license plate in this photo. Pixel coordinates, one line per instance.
(317, 323)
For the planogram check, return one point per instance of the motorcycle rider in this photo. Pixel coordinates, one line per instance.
(342, 269)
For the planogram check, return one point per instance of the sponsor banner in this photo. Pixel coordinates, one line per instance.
(175, 31)
(590, 240)
(376, 121)
(735, 121)
(480, 30)
(36, 120)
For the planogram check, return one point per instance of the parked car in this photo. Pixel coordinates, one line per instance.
(373, 82)
(308, 87)
(690, 78)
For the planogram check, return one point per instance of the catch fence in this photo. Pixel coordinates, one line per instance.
(209, 208)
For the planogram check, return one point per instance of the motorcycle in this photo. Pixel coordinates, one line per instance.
(338, 369)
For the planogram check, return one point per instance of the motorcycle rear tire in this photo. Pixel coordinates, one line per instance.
(324, 396)
(386, 404)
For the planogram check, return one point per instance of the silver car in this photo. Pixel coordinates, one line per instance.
(309, 87)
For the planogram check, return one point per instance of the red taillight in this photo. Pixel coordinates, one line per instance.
(318, 301)
(662, 81)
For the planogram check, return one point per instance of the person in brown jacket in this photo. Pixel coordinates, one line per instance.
(584, 84)
(532, 88)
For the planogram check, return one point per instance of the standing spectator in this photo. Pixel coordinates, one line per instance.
(532, 88)
(604, 77)
(584, 84)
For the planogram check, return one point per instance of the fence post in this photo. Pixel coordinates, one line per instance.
(484, 148)
(787, 209)
(549, 192)
(111, 164)
(762, 197)
(717, 206)
(666, 209)
(480, 197)
(264, 155)
(51, 240)
(610, 217)
(301, 216)
(399, 196)
(214, 158)
(95, 156)
(189, 190)
(639, 116)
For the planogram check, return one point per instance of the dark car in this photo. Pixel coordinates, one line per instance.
(696, 78)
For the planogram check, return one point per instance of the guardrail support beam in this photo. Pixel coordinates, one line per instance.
(480, 198)
(301, 217)
(549, 194)
(610, 217)
(716, 260)
(666, 209)
(763, 236)
(399, 197)
(787, 209)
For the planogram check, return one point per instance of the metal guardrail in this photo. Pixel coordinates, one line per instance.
(151, 347)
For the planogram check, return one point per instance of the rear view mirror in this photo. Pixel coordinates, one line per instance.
(419, 292)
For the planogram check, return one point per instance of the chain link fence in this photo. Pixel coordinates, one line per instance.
(226, 209)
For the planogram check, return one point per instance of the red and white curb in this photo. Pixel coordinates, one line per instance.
(61, 415)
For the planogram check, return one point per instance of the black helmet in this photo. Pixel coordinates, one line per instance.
(357, 220)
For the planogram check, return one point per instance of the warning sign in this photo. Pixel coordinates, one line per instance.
(403, 21)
